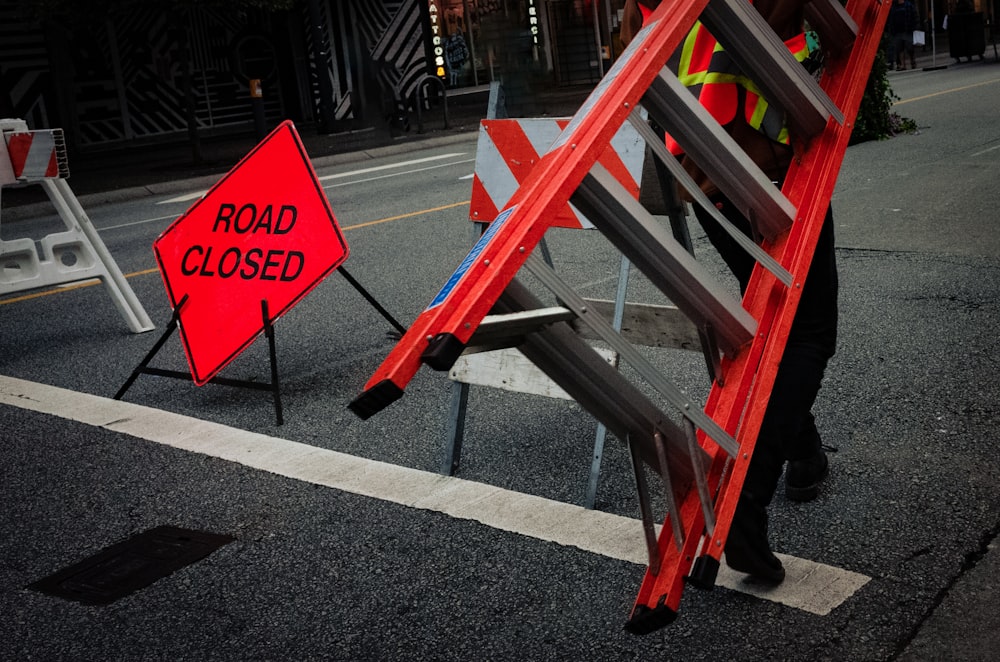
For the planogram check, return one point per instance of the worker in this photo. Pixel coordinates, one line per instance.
(788, 433)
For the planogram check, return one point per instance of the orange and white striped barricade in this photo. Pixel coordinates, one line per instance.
(73, 255)
(506, 152)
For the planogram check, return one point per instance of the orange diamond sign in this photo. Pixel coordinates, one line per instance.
(264, 233)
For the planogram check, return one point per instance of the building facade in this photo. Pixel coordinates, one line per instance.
(154, 74)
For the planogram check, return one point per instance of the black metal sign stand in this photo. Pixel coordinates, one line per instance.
(272, 386)
(370, 299)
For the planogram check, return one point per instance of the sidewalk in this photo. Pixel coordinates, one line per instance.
(938, 56)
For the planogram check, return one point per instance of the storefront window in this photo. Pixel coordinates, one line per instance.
(568, 41)
(479, 38)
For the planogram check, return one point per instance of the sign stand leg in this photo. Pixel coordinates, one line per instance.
(618, 316)
(370, 299)
(273, 386)
(143, 365)
(272, 353)
(456, 428)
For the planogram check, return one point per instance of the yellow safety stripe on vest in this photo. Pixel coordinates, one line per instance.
(698, 68)
(759, 113)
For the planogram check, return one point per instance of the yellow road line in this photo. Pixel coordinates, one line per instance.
(144, 272)
(402, 216)
(954, 89)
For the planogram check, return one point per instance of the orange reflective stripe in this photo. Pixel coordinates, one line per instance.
(721, 100)
(703, 46)
(713, 78)
(706, 69)
(799, 46)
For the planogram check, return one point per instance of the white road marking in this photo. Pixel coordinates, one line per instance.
(396, 174)
(401, 164)
(987, 150)
(142, 222)
(183, 198)
(353, 173)
(812, 587)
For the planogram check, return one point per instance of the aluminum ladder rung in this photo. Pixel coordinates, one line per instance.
(510, 327)
(830, 18)
(570, 362)
(673, 395)
(764, 58)
(668, 265)
(671, 105)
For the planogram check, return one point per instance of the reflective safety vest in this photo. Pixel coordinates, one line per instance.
(707, 70)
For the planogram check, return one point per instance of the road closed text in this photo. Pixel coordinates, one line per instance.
(247, 263)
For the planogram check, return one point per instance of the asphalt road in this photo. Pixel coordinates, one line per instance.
(332, 559)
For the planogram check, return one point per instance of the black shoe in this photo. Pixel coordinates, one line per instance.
(747, 549)
(802, 477)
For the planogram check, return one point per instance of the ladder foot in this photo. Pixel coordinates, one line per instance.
(703, 573)
(375, 399)
(442, 352)
(645, 620)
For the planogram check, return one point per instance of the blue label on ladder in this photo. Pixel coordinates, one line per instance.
(473, 255)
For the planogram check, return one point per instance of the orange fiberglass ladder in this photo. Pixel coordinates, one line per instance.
(700, 452)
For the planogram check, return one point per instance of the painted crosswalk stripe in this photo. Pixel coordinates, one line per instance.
(809, 586)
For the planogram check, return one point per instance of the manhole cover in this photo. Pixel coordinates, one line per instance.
(130, 565)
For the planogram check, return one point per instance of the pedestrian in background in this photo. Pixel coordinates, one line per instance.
(903, 20)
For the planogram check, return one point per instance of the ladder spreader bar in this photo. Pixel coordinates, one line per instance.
(630, 354)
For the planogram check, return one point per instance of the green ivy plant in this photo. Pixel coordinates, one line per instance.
(876, 120)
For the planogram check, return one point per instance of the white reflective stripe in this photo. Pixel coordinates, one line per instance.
(541, 133)
(491, 168)
(631, 149)
(40, 154)
(498, 180)
(581, 219)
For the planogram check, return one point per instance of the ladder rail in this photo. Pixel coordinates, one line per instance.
(741, 402)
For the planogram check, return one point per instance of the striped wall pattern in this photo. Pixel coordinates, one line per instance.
(132, 86)
(396, 38)
(390, 34)
(25, 77)
(122, 80)
(336, 19)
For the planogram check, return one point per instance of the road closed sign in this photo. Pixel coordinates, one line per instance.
(264, 233)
